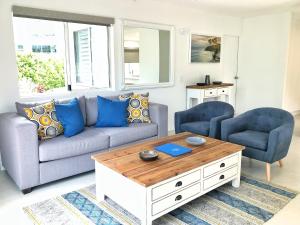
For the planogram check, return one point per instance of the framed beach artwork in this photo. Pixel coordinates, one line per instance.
(205, 49)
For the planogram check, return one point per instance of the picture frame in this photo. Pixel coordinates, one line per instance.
(205, 48)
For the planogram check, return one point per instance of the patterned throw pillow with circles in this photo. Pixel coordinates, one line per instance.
(138, 109)
(44, 116)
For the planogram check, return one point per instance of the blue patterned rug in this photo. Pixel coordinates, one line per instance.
(255, 202)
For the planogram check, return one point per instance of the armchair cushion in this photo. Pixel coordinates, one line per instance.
(200, 127)
(250, 138)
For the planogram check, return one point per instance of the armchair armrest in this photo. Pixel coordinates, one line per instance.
(159, 115)
(215, 125)
(233, 125)
(180, 118)
(279, 142)
(19, 149)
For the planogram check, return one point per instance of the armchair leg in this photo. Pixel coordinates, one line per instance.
(280, 163)
(268, 171)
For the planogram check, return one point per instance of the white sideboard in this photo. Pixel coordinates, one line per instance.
(199, 94)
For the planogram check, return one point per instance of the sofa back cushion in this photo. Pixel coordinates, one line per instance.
(20, 106)
(92, 108)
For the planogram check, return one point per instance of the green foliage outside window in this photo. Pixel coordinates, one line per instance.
(45, 73)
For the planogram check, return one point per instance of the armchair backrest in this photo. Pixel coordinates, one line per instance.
(267, 119)
(208, 110)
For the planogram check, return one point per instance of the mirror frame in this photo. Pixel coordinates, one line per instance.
(137, 24)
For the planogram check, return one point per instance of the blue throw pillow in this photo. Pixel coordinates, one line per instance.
(112, 113)
(70, 117)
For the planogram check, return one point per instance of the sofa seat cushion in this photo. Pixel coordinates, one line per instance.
(134, 132)
(250, 138)
(199, 127)
(90, 140)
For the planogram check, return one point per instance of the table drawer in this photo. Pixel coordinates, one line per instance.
(220, 165)
(223, 91)
(175, 185)
(174, 199)
(210, 92)
(219, 178)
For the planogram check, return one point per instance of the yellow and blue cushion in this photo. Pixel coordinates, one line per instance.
(44, 116)
(138, 109)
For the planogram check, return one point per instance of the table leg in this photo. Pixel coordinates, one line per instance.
(99, 193)
(146, 222)
(236, 182)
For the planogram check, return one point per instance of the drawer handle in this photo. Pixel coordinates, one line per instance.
(178, 198)
(210, 92)
(222, 177)
(223, 91)
(222, 165)
(178, 184)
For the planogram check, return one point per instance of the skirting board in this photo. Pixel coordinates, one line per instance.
(295, 113)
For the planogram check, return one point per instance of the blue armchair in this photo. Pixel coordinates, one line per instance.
(204, 119)
(265, 132)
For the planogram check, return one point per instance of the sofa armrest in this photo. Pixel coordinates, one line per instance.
(279, 143)
(19, 149)
(233, 125)
(215, 125)
(159, 115)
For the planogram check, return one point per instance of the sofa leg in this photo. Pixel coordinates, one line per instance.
(280, 163)
(26, 191)
(268, 171)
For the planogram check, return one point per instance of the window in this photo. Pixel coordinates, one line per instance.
(55, 55)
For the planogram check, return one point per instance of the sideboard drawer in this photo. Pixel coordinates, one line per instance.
(175, 185)
(219, 178)
(174, 199)
(223, 91)
(221, 165)
(210, 92)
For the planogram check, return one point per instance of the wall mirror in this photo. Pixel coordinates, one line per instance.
(147, 55)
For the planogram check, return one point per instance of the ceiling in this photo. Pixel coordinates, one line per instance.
(241, 8)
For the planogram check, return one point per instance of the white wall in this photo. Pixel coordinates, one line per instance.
(143, 10)
(291, 97)
(263, 61)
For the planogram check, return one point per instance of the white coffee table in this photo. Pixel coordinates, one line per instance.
(149, 190)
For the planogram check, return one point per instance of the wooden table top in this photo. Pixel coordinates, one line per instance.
(210, 86)
(126, 160)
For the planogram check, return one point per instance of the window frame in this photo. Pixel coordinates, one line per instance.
(48, 15)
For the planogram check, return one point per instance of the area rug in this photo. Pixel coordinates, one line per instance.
(255, 202)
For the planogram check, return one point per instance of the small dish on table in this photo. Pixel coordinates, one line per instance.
(148, 155)
(195, 140)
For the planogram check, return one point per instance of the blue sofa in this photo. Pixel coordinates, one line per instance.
(30, 162)
(204, 119)
(265, 132)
